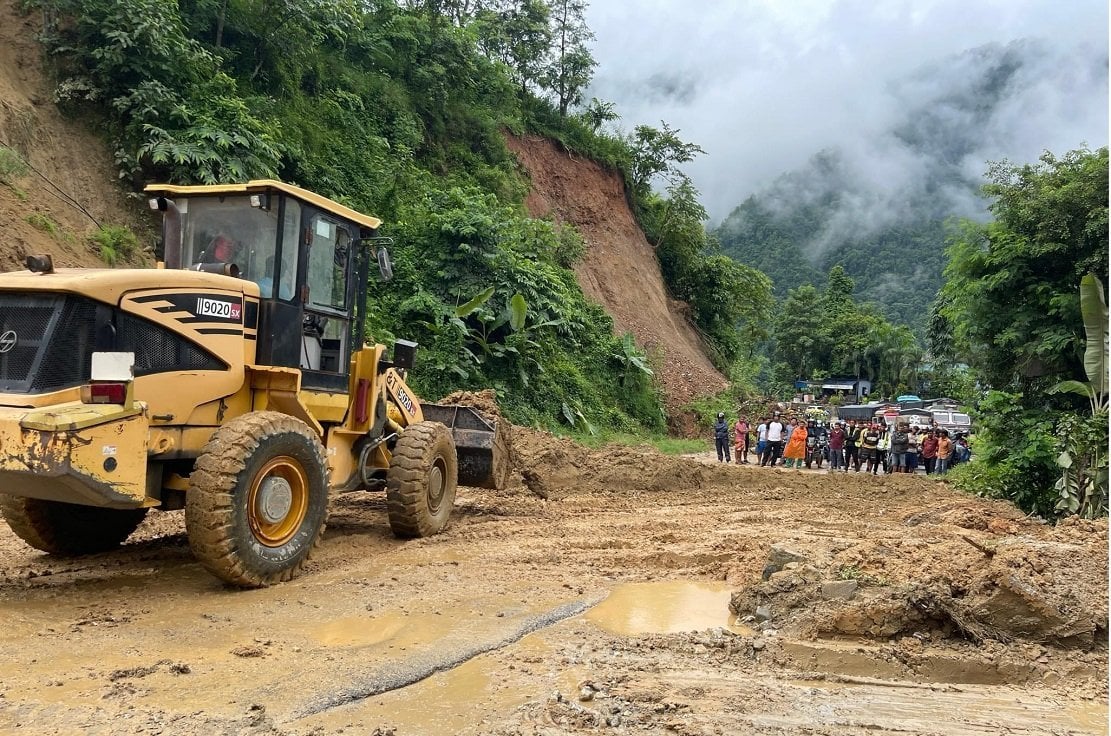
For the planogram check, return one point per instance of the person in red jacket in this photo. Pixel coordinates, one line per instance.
(837, 447)
(740, 440)
(928, 451)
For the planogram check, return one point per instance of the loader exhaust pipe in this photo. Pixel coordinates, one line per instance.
(171, 230)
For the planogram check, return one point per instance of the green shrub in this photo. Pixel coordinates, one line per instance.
(43, 223)
(114, 243)
(12, 166)
(1015, 455)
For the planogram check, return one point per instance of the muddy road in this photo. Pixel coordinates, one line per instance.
(594, 596)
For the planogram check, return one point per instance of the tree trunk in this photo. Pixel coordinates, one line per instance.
(220, 24)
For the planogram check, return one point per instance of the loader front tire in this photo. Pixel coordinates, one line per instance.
(257, 499)
(68, 529)
(421, 480)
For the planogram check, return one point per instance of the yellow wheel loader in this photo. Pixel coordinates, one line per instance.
(232, 381)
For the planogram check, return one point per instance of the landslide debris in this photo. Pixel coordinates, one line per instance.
(963, 573)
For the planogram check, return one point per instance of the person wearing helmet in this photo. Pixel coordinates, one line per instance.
(721, 438)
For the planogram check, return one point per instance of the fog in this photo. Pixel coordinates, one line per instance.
(763, 86)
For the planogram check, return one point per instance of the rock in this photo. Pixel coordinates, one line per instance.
(839, 590)
(763, 613)
(781, 556)
(586, 694)
(758, 643)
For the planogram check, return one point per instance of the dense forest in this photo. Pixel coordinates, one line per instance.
(401, 109)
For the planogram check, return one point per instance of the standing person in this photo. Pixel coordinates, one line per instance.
(795, 451)
(740, 437)
(900, 441)
(928, 450)
(912, 450)
(883, 449)
(776, 431)
(837, 447)
(944, 452)
(761, 440)
(852, 446)
(721, 437)
(869, 447)
(962, 453)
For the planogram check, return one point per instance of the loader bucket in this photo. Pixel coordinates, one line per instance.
(480, 444)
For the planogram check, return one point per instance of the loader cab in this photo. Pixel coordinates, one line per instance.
(308, 255)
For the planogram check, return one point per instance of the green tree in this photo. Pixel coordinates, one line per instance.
(519, 33)
(800, 339)
(598, 113)
(572, 65)
(658, 152)
(1011, 310)
(1011, 295)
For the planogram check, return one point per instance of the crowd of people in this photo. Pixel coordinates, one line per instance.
(872, 446)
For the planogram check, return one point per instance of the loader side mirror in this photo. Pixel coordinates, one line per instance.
(404, 354)
(385, 265)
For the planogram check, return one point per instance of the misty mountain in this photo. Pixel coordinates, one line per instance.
(879, 207)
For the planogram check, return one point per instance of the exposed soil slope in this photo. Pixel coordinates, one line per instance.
(600, 606)
(619, 269)
(66, 152)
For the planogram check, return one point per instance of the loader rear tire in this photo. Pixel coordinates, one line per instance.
(421, 480)
(257, 499)
(69, 529)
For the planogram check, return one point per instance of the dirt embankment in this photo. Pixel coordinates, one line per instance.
(619, 269)
(74, 163)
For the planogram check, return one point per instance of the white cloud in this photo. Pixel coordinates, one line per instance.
(762, 85)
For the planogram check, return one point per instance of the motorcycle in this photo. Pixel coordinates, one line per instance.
(817, 450)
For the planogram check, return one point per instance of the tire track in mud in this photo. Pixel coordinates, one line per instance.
(402, 674)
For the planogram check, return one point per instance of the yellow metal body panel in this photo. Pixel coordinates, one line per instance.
(326, 407)
(75, 415)
(403, 398)
(41, 400)
(110, 284)
(258, 186)
(100, 465)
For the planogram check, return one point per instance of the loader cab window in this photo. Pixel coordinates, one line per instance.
(329, 252)
(286, 275)
(229, 230)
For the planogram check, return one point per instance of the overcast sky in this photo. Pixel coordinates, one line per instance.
(762, 85)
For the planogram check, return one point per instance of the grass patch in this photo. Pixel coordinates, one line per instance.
(43, 223)
(12, 166)
(114, 243)
(852, 572)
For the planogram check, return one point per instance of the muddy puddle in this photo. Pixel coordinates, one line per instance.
(666, 607)
(447, 703)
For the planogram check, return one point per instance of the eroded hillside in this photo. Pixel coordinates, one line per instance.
(619, 269)
(37, 212)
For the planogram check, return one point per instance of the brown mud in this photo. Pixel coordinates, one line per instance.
(73, 164)
(621, 599)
